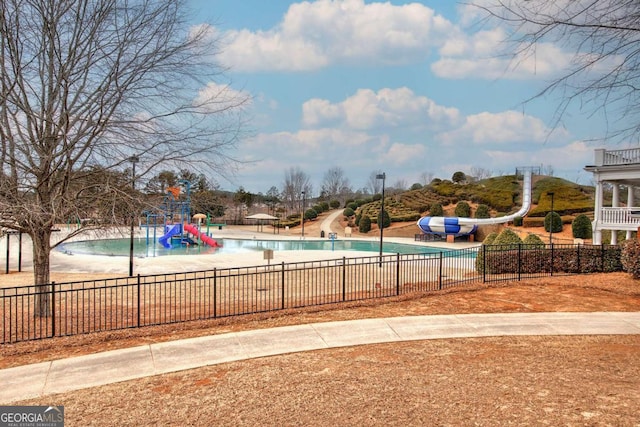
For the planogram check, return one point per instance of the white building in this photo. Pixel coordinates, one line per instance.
(619, 169)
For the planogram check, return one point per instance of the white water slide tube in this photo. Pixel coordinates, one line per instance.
(463, 226)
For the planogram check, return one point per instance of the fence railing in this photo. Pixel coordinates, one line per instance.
(64, 309)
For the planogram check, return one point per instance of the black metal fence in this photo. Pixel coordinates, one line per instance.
(64, 309)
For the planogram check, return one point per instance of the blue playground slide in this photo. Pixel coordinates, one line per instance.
(165, 240)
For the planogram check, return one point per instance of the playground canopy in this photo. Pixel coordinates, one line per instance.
(261, 218)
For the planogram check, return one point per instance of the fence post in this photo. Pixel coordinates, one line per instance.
(440, 273)
(519, 261)
(139, 305)
(344, 278)
(282, 288)
(578, 259)
(53, 309)
(551, 259)
(397, 274)
(484, 263)
(215, 293)
(602, 258)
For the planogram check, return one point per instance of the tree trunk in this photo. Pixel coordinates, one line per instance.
(41, 251)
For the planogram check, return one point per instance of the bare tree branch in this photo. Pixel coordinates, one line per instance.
(86, 84)
(603, 37)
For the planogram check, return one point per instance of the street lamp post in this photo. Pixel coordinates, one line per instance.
(550, 193)
(381, 176)
(133, 159)
(302, 215)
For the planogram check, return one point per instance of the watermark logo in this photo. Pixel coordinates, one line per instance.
(31, 416)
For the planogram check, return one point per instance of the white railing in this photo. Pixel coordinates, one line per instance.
(621, 157)
(621, 216)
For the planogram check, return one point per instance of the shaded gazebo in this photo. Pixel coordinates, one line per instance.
(261, 218)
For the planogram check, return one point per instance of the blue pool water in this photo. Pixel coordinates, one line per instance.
(120, 247)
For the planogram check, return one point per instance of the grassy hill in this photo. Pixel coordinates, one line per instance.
(503, 195)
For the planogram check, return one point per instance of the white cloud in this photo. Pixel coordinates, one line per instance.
(316, 34)
(507, 127)
(386, 108)
(489, 55)
(406, 154)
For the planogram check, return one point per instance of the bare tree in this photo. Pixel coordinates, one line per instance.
(295, 182)
(602, 37)
(426, 178)
(336, 185)
(86, 87)
(478, 173)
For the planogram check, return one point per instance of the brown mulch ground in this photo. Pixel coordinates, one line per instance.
(592, 380)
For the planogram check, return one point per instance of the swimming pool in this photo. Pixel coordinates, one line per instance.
(120, 247)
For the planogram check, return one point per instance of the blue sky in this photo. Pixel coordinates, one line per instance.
(403, 87)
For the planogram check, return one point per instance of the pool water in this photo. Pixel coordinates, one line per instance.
(120, 247)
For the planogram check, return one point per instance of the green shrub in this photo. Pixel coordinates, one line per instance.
(533, 240)
(480, 256)
(353, 206)
(463, 210)
(491, 237)
(386, 219)
(581, 227)
(483, 211)
(507, 237)
(630, 257)
(335, 204)
(553, 221)
(517, 221)
(458, 177)
(310, 214)
(365, 224)
(436, 210)
(348, 212)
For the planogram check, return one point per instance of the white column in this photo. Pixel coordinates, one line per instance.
(597, 233)
(615, 203)
(629, 204)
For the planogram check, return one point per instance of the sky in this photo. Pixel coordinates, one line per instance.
(407, 88)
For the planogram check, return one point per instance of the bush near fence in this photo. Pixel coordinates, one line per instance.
(557, 259)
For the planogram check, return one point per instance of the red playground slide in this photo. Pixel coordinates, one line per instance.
(205, 239)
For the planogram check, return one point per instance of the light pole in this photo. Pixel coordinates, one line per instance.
(550, 193)
(133, 159)
(381, 176)
(302, 216)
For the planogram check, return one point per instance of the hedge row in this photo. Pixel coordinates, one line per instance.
(529, 259)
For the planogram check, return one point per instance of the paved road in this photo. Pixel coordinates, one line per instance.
(93, 370)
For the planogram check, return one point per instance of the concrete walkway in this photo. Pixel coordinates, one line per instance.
(109, 367)
(326, 224)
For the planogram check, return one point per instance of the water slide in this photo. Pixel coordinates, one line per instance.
(463, 226)
(205, 239)
(165, 240)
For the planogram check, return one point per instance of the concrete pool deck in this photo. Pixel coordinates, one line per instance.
(62, 262)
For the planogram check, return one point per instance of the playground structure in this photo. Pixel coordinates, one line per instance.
(176, 220)
(456, 227)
